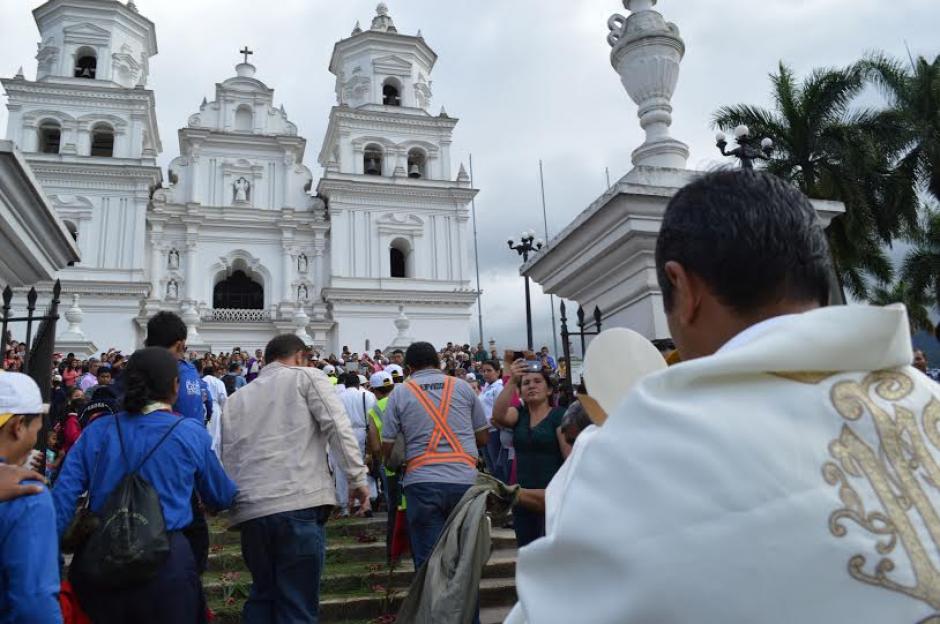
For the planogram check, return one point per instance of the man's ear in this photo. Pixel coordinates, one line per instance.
(686, 292)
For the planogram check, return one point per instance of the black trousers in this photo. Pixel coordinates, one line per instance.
(174, 595)
(198, 535)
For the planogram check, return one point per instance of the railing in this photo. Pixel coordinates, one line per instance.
(231, 315)
(566, 343)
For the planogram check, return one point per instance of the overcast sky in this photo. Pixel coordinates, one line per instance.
(528, 79)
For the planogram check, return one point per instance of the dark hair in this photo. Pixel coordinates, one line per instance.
(422, 355)
(233, 367)
(283, 346)
(149, 377)
(494, 364)
(398, 352)
(351, 380)
(550, 381)
(165, 329)
(753, 238)
(208, 371)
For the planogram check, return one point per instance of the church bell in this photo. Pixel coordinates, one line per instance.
(373, 167)
(414, 172)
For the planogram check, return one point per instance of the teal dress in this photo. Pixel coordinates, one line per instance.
(538, 455)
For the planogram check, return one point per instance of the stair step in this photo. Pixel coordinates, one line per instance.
(495, 596)
(351, 578)
(220, 534)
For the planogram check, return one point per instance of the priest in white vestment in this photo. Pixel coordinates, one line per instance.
(788, 472)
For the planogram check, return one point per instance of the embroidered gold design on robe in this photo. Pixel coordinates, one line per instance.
(899, 471)
(806, 377)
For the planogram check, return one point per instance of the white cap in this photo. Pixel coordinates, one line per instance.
(391, 369)
(362, 380)
(19, 394)
(329, 369)
(381, 379)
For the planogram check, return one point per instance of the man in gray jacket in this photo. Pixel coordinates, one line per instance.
(275, 432)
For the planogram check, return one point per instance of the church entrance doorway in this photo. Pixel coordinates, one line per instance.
(238, 292)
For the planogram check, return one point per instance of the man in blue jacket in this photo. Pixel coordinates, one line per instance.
(29, 551)
(167, 330)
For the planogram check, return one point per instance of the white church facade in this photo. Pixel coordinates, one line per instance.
(234, 237)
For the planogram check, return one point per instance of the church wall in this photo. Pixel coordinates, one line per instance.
(357, 323)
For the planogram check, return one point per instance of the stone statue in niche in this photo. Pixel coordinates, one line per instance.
(302, 293)
(172, 290)
(173, 259)
(242, 188)
(302, 263)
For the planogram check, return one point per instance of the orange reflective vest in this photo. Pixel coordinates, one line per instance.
(438, 414)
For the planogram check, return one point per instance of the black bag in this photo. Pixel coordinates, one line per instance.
(229, 380)
(129, 544)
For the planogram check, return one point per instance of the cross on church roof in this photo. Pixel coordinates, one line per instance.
(246, 52)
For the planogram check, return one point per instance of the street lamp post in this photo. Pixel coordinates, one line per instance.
(748, 149)
(527, 245)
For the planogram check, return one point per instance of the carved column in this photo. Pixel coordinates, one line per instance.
(192, 270)
(157, 263)
(287, 269)
(445, 159)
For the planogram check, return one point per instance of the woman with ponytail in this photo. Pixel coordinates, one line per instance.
(174, 456)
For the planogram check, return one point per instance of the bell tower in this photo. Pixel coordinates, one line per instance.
(399, 216)
(87, 126)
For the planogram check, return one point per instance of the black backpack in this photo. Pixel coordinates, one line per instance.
(129, 543)
(229, 380)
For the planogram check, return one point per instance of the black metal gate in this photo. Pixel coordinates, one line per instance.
(566, 343)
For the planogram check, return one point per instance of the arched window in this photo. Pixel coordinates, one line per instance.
(86, 63)
(102, 140)
(50, 136)
(417, 163)
(391, 92)
(244, 120)
(372, 160)
(238, 292)
(399, 258)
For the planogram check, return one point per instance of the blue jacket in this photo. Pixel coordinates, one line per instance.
(190, 402)
(184, 462)
(29, 561)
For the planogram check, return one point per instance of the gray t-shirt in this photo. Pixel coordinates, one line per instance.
(404, 414)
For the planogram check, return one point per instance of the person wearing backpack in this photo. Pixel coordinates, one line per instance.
(138, 567)
(233, 379)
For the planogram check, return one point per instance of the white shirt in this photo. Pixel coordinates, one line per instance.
(488, 398)
(219, 395)
(356, 407)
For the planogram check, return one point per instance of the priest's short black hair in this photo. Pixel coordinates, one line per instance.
(283, 346)
(753, 238)
(422, 355)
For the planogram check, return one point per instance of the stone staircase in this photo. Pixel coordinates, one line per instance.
(357, 586)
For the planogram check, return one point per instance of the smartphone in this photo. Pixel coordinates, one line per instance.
(533, 366)
(518, 355)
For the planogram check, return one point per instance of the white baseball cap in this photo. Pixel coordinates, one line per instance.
(329, 369)
(19, 394)
(381, 379)
(362, 380)
(392, 369)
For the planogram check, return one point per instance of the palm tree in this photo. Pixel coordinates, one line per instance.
(833, 150)
(914, 96)
(916, 301)
(921, 269)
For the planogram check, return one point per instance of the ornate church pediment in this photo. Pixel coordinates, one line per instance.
(125, 64)
(392, 65)
(86, 32)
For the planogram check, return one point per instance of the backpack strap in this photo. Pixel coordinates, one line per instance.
(117, 421)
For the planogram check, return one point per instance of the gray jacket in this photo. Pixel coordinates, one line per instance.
(275, 432)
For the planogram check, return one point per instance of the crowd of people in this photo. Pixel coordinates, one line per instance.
(777, 430)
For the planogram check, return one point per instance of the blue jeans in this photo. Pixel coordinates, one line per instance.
(429, 506)
(285, 554)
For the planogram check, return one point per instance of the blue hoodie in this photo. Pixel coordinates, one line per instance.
(190, 403)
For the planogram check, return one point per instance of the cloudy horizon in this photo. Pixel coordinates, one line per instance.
(528, 80)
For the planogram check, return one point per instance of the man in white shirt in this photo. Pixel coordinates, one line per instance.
(218, 395)
(357, 401)
(788, 470)
(495, 453)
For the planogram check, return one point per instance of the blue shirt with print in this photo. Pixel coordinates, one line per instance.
(190, 402)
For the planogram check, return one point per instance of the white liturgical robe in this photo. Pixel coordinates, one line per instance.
(791, 478)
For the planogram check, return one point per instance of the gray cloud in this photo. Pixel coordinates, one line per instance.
(528, 79)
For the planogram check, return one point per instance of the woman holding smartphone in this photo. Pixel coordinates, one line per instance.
(539, 443)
